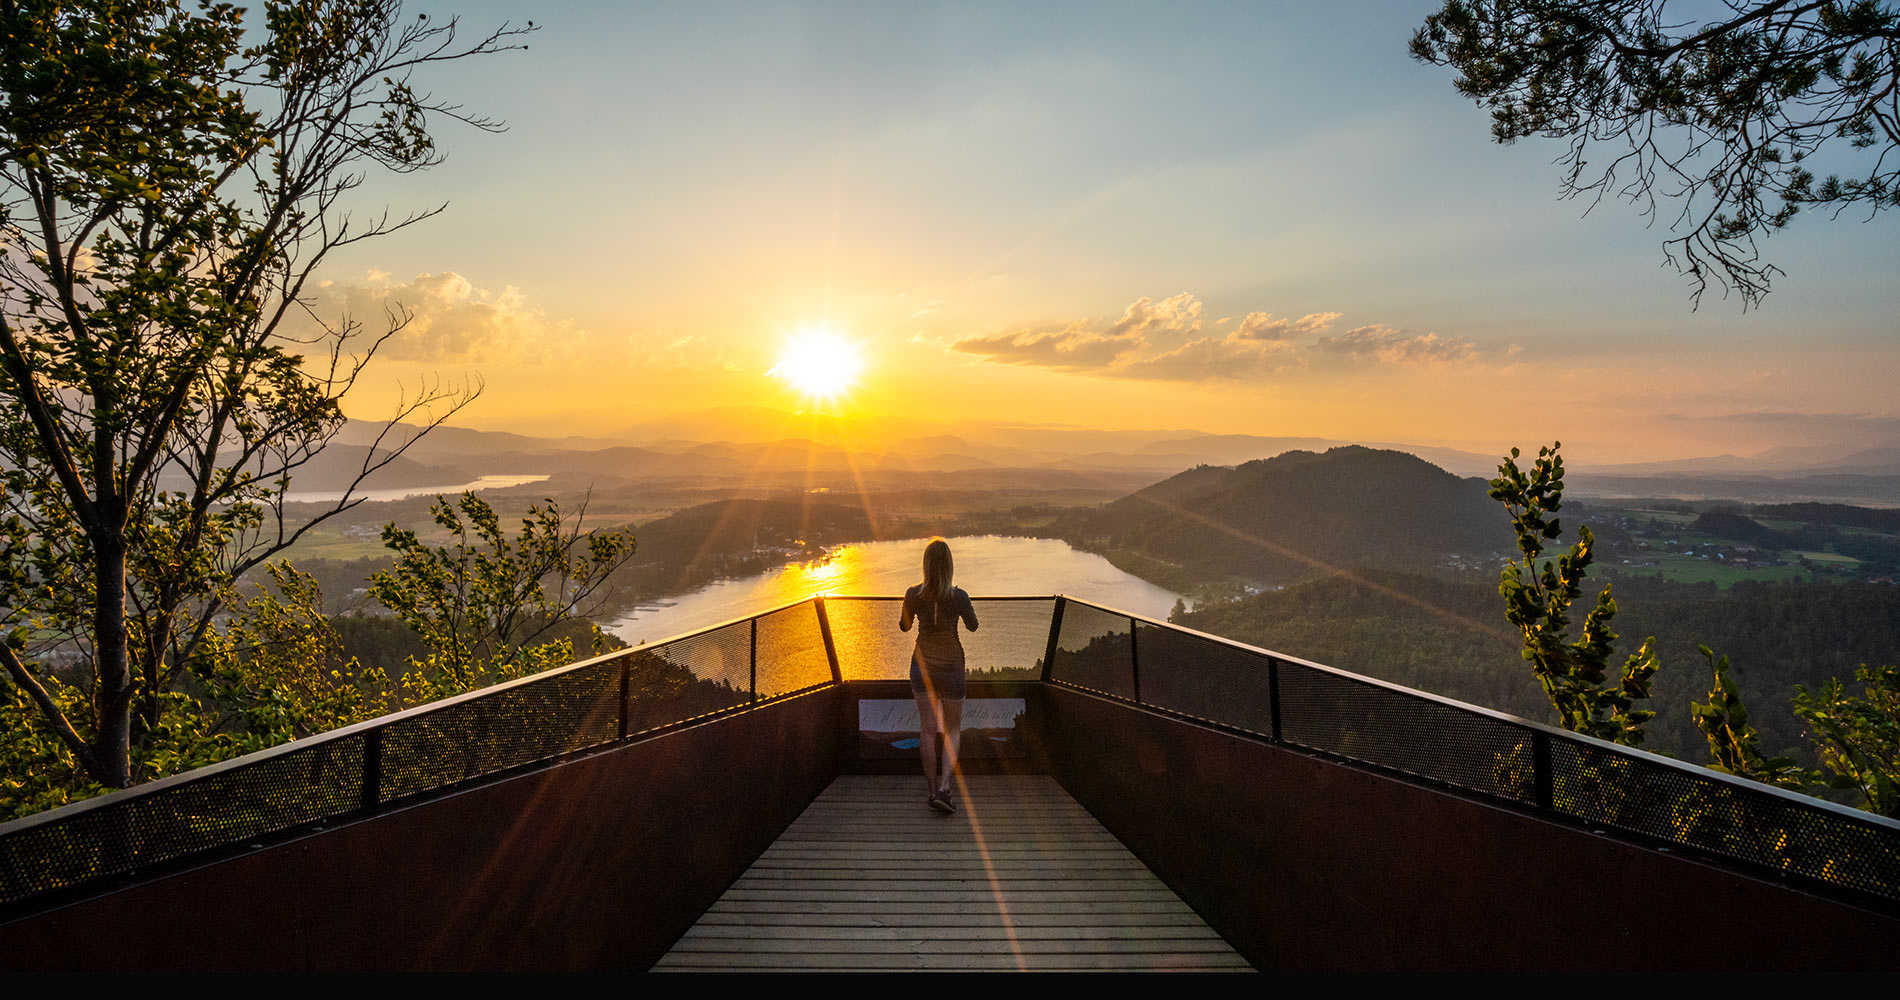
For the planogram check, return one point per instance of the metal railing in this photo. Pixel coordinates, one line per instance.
(626, 695)
(645, 691)
(1297, 703)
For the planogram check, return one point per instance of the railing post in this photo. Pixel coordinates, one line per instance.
(1134, 660)
(831, 650)
(1273, 698)
(1055, 632)
(626, 692)
(372, 768)
(752, 668)
(1540, 768)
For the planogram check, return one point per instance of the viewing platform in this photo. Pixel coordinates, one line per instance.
(1135, 795)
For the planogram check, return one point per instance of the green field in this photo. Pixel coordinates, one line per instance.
(1828, 557)
(1691, 569)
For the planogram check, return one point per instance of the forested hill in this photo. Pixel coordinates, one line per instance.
(736, 528)
(1282, 518)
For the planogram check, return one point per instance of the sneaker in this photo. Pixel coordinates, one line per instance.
(940, 801)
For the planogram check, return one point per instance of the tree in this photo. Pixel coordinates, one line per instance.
(277, 670)
(1722, 107)
(1858, 738)
(1537, 599)
(487, 605)
(170, 180)
(1733, 746)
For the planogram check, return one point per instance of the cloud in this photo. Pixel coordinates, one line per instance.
(1176, 314)
(1212, 358)
(1156, 340)
(1394, 347)
(1085, 347)
(1072, 349)
(1262, 326)
(1151, 340)
(451, 321)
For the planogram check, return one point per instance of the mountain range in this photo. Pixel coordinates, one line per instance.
(827, 453)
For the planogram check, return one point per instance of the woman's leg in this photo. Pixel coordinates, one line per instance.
(952, 739)
(929, 723)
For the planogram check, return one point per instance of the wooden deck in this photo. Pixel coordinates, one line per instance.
(1022, 878)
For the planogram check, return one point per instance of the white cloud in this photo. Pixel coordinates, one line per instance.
(450, 320)
(1074, 348)
(1395, 347)
(1212, 358)
(1262, 326)
(1144, 316)
(1151, 340)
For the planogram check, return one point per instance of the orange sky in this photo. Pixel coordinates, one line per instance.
(1022, 219)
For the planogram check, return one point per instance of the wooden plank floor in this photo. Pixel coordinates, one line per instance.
(1021, 877)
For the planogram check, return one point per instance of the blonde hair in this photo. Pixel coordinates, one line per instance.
(938, 571)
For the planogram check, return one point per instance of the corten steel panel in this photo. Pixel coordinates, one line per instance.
(596, 863)
(1302, 863)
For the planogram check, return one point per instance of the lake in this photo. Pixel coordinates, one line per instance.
(405, 492)
(986, 565)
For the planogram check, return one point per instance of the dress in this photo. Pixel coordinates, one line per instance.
(936, 664)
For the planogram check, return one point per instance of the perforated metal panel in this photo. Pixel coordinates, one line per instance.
(864, 630)
(690, 677)
(1185, 673)
(292, 788)
(1633, 792)
(1010, 639)
(556, 714)
(791, 651)
(1093, 651)
(1392, 728)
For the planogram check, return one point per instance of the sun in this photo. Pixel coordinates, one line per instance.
(820, 364)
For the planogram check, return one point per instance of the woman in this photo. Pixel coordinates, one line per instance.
(936, 668)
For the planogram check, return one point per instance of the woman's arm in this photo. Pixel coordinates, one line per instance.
(966, 609)
(903, 617)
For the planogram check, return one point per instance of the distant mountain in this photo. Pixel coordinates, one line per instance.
(453, 444)
(1281, 518)
(1785, 463)
(1233, 449)
(338, 466)
(1886, 521)
(774, 450)
(1834, 488)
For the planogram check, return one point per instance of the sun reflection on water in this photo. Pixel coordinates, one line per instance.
(986, 566)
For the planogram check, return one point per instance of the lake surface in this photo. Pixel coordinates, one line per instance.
(405, 492)
(986, 565)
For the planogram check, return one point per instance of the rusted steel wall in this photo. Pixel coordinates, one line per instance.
(596, 863)
(1303, 863)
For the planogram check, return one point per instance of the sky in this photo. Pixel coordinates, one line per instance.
(1236, 218)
